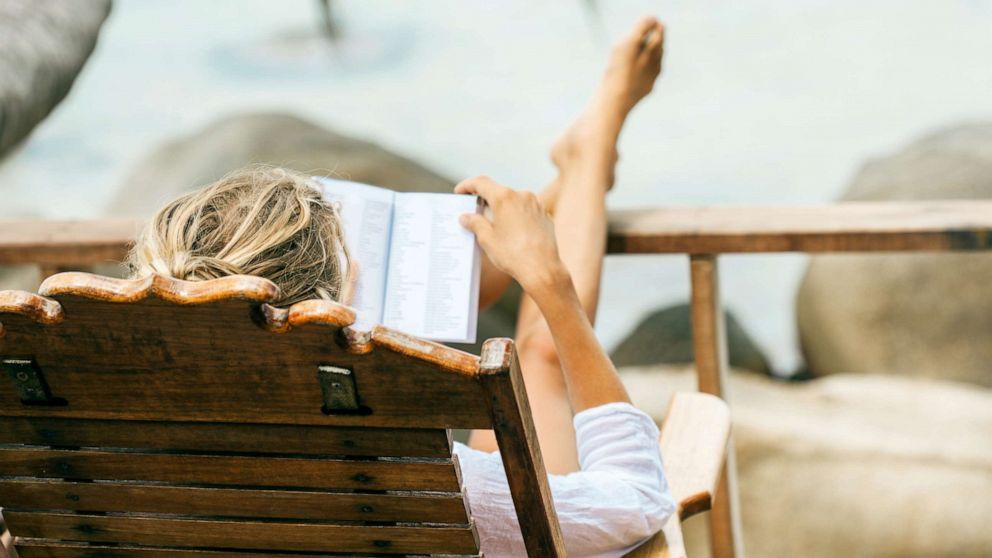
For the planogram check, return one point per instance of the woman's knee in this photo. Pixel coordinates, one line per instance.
(538, 344)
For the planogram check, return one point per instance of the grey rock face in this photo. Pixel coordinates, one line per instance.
(927, 315)
(265, 138)
(665, 337)
(45, 44)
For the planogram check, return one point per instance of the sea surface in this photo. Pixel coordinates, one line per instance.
(761, 102)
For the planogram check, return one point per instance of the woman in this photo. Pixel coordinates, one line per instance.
(602, 454)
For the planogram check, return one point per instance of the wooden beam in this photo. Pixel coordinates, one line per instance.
(841, 227)
(66, 243)
(709, 343)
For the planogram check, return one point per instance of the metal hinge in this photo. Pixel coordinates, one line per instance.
(338, 388)
(29, 382)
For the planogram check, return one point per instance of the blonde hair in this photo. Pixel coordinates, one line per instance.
(263, 221)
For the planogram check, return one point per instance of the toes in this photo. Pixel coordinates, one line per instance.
(635, 39)
(642, 27)
(654, 43)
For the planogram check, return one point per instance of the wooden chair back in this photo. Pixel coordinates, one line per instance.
(161, 418)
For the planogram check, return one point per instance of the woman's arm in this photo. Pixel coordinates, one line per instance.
(519, 239)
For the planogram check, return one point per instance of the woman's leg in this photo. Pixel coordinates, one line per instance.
(586, 156)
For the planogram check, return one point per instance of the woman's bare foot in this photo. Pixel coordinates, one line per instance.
(635, 63)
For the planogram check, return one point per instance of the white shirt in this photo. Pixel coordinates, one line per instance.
(615, 502)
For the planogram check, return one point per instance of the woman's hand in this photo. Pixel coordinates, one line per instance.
(519, 239)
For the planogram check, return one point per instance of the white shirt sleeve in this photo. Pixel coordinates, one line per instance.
(618, 499)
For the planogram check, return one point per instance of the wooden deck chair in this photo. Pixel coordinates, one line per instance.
(157, 418)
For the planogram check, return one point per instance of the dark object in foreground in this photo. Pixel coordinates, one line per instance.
(45, 45)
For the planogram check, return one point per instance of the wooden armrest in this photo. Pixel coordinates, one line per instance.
(66, 243)
(693, 446)
(840, 227)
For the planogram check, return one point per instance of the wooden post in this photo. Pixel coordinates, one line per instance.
(513, 425)
(709, 342)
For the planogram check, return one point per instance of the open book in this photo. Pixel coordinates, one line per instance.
(418, 268)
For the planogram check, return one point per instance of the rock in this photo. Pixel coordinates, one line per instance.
(45, 44)
(267, 138)
(926, 314)
(850, 465)
(665, 337)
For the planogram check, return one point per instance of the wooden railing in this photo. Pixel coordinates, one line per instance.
(700, 233)
(704, 233)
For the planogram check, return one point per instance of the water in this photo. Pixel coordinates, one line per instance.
(764, 102)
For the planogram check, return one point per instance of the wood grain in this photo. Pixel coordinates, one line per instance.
(840, 227)
(169, 289)
(437, 475)
(34, 548)
(249, 535)
(709, 343)
(212, 367)
(668, 543)
(66, 243)
(188, 344)
(517, 439)
(430, 351)
(159, 364)
(228, 502)
(34, 307)
(694, 440)
(220, 437)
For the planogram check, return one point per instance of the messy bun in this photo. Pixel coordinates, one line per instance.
(263, 221)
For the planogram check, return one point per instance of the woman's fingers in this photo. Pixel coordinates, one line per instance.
(484, 187)
(479, 225)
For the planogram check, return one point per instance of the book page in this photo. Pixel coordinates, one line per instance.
(367, 212)
(434, 263)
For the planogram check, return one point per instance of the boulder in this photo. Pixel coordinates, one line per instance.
(266, 138)
(851, 464)
(665, 337)
(45, 44)
(925, 314)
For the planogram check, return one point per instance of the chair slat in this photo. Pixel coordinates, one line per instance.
(268, 438)
(34, 548)
(439, 475)
(248, 535)
(193, 501)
